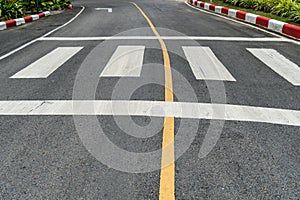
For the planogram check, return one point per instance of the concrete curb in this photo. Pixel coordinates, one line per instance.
(20, 21)
(271, 24)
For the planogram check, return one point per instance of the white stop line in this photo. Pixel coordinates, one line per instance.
(152, 108)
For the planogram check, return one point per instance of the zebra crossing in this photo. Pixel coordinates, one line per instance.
(43, 67)
(278, 63)
(205, 65)
(127, 61)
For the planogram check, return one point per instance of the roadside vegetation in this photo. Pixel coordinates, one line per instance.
(283, 10)
(11, 9)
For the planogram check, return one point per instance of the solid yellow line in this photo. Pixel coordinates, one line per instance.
(167, 174)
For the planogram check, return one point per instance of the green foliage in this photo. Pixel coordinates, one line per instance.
(11, 9)
(295, 14)
(285, 8)
(47, 5)
(54, 4)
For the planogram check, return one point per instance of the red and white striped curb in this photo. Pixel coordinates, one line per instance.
(271, 24)
(20, 21)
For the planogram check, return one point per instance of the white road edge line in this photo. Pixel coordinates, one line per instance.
(151, 108)
(242, 22)
(235, 39)
(37, 39)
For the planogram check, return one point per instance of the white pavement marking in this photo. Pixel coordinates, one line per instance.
(127, 61)
(234, 39)
(277, 62)
(205, 65)
(152, 108)
(46, 65)
(37, 39)
(108, 9)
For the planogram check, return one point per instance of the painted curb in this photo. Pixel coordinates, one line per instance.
(271, 24)
(20, 21)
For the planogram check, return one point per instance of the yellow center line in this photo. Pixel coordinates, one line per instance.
(167, 174)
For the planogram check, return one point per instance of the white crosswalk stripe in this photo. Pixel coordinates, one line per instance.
(46, 65)
(205, 65)
(127, 61)
(278, 63)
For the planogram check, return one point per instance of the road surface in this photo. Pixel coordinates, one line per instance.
(148, 100)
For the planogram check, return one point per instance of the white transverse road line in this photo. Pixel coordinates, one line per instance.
(277, 62)
(127, 61)
(37, 39)
(108, 9)
(152, 108)
(46, 65)
(205, 65)
(208, 38)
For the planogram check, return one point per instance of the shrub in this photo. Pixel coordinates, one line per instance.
(11, 9)
(295, 14)
(285, 8)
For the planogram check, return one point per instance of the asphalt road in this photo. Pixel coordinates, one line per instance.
(54, 155)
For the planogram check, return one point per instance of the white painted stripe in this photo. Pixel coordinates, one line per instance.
(108, 9)
(47, 13)
(198, 3)
(251, 18)
(35, 17)
(152, 108)
(275, 25)
(277, 62)
(205, 38)
(46, 65)
(20, 21)
(127, 61)
(2, 26)
(205, 65)
(45, 35)
(218, 9)
(206, 6)
(232, 12)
